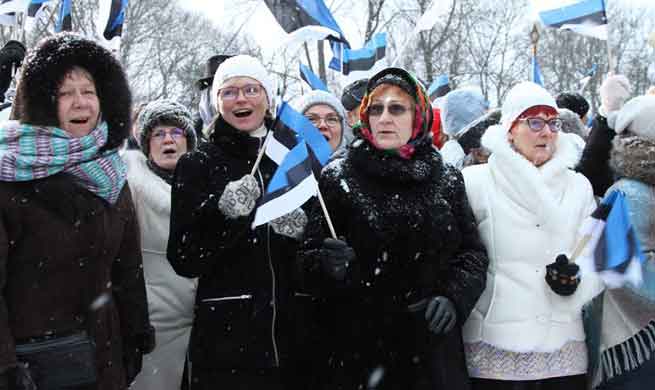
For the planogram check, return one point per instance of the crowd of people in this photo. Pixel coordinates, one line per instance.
(439, 254)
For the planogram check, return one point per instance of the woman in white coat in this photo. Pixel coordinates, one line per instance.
(166, 133)
(526, 330)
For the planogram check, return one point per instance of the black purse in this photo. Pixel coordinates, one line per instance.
(60, 362)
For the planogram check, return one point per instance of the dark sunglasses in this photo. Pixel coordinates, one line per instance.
(538, 124)
(395, 109)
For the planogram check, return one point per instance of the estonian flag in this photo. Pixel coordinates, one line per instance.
(310, 78)
(364, 58)
(537, 77)
(439, 87)
(586, 17)
(610, 244)
(300, 151)
(64, 22)
(114, 25)
(35, 7)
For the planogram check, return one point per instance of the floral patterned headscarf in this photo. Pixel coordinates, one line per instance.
(422, 113)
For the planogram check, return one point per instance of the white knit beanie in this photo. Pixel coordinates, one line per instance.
(242, 66)
(636, 116)
(521, 97)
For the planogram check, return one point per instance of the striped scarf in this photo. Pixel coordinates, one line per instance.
(30, 152)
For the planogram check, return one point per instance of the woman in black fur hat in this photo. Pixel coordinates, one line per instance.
(73, 310)
(410, 266)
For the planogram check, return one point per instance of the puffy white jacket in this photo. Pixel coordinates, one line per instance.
(171, 297)
(526, 216)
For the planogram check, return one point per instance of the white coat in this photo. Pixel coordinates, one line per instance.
(171, 297)
(526, 216)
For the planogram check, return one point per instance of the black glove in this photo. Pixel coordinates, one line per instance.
(337, 256)
(135, 347)
(440, 314)
(562, 276)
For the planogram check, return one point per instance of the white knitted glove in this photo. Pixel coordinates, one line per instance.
(614, 92)
(290, 225)
(239, 197)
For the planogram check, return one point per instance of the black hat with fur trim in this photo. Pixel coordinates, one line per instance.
(50, 61)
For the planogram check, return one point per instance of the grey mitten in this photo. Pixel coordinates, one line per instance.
(290, 225)
(239, 197)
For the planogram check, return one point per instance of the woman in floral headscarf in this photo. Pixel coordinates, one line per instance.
(408, 266)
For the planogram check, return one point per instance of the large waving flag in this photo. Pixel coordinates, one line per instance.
(8, 10)
(611, 247)
(586, 17)
(364, 58)
(64, 22)
(310, 78)
(439, 87)
(300, 151)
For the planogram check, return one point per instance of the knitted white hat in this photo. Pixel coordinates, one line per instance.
(242, 66)
(636, 116)
(521, 97)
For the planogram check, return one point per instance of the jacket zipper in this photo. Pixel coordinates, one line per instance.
(273, 278)
(232, 298)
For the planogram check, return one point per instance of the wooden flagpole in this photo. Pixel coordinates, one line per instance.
(261, 153)
(327, 215)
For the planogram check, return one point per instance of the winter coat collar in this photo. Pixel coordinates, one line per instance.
(381, 164)
(537, 189)
(633, 157)
(152, 189)
(235, 142)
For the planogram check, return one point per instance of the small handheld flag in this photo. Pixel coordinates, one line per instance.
(439, 87)
(609, 245)
(114, 26)
(312, 79)
(536, 75)
(586, 17)
(364, 58)
(300, 151)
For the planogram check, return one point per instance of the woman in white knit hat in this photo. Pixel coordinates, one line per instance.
(526, 330)
(243, 326)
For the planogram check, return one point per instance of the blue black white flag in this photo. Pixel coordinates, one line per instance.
(64, 22)
(312, 79)
(9, 9)
(535, 73)
(586, 17)
(611, 248)
(439, 87)
(300, 151)
(364, 58)
(114, 24)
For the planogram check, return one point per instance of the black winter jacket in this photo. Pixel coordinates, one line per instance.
(414, 236)
(594, 163)
(242, 303)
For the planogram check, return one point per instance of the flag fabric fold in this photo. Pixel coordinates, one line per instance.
(364, 58)
(586, 17)
(114, 23)
(300, 151)
(611, 247)
(312, 79)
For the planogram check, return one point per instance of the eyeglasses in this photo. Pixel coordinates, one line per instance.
(330, 120)
(250, 91)
(395, 109)
(175, 133)
(538, 124)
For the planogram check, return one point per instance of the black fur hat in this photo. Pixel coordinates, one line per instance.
(44, 69)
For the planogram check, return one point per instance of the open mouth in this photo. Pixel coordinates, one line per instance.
(79, 121)
(169, 151)
(242, 113)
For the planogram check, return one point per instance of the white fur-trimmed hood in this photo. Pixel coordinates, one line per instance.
(146, 186)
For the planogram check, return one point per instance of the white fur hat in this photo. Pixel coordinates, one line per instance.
(521, 97)
(242, 66)
(636, 116)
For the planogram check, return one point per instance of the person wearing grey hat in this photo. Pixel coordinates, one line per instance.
(328, 115)
(165, 134)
